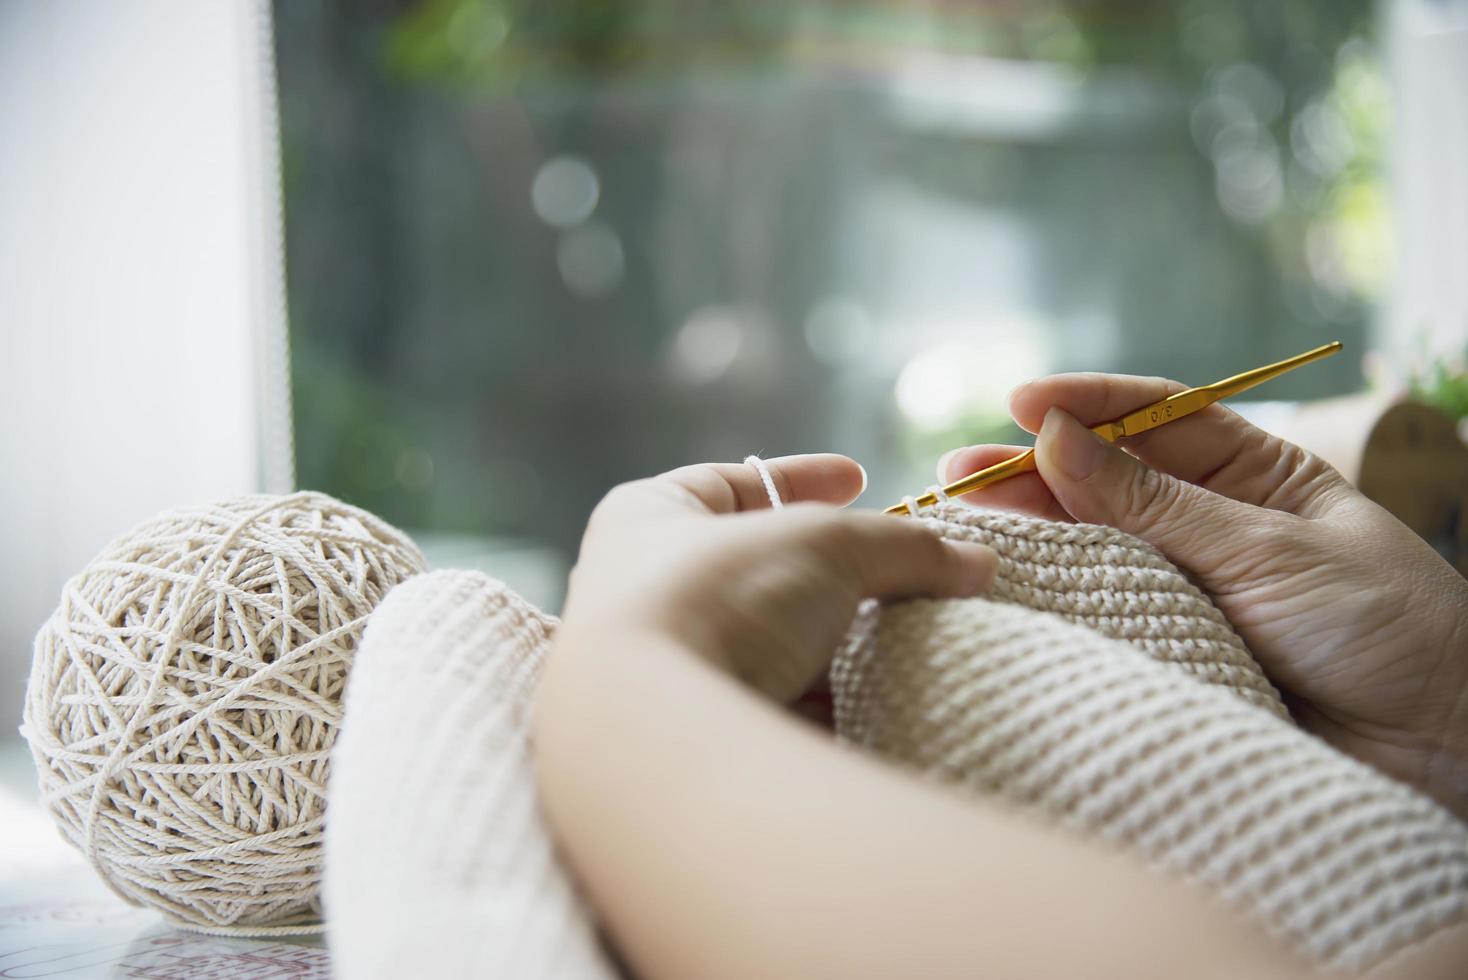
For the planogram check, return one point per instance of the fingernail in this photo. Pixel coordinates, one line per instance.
(978, 564)
(863, 479)
(943, 464)
(1077, 450)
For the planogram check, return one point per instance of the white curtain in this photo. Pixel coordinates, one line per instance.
(141, 310)
(1428, 44)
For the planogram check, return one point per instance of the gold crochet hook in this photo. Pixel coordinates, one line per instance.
(1169, 409)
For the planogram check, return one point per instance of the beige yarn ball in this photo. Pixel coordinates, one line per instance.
(185, 695)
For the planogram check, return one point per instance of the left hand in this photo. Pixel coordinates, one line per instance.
(698, 556)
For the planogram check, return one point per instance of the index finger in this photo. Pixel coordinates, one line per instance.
(725, 488)
(1200, 448)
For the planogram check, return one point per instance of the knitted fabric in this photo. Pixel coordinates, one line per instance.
(438, 862)
(1171, 745)
(1115, 584)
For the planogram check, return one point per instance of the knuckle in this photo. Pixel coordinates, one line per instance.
(813, 519)
(613, 499)
(604, 515)
(838, 531)
(911, 544)
(826, 530)
(703, 485)
(864, 550)
(835, 543)
(1150, 498)
(624, 500)
(925, 542)
(853, 539)
(1307, 478)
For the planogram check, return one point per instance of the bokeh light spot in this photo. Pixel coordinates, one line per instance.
(565, 191)
(707, 345)
(838, 330)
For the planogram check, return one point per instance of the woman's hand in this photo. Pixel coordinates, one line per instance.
(697, 556)
(1356, 619)
(717, 837)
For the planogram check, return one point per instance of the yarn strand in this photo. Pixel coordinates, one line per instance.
(768, 479)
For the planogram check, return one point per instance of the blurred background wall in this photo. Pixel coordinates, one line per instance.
(536, 248)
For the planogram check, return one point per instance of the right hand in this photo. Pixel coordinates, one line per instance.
(1362, 626)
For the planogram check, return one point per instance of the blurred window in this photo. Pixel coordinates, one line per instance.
(537, 248)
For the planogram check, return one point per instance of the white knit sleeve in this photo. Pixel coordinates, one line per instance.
(438, 860)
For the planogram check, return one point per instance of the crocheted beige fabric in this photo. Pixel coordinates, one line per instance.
(1207, 779)
(1171, 744)
(1115, 584)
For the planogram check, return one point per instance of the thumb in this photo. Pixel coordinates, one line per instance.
(1100, 484)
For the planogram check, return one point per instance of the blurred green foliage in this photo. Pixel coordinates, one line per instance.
(1444, 385)
(502, 42)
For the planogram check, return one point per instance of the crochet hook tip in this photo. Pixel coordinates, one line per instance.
(910, 505)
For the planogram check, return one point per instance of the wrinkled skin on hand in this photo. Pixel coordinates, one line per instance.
(1362, 626)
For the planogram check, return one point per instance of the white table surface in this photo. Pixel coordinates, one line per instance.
(57, 919)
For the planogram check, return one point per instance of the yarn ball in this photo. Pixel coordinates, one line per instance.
(185, 695)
